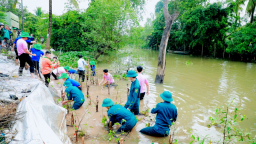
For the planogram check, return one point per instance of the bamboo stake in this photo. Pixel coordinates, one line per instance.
(88, 91)
(170, 139)
(97, 81)
(110, 125)
(88, 70)
(121, 141)
(97, 105)
(82, 140)
(128, 90)
(76, 136)
(108, 89)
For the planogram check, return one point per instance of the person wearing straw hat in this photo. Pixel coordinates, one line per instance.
(133, 101)
(65, 77)
(118, 113)
(166, 115)
(73, 94)
(36, 49)
(23, 54)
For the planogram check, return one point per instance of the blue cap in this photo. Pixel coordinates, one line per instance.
(67, 83)
(166, 96)
(107, 102)
(131, 73)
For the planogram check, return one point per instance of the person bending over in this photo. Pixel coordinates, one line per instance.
(118, 113)
(108, 78)
(133, 101)
(166, 115)
(65, 77)
(73, 94)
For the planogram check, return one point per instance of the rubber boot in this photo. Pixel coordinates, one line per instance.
(20, 71)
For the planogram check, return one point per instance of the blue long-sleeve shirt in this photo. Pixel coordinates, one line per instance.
(166, 114)
(74, 83)
(73, 93)
(117, 113)
(133, 95)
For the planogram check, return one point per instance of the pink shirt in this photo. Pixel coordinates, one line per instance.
(21, 46)
(143, 81)
(109, 78)
(60, 70)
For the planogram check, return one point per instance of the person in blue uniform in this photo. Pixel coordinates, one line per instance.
(166, 115)
(93, 67)
(65, 77)
(118, 113)
(133, 101)
(73, 94)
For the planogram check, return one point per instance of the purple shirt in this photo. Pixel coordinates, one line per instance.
(109, 78)
(143, 81)
(21, 46)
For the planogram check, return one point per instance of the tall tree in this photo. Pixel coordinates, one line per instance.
(50, 26)
(251, 8)
(38, 11)
(73, 2)
(169, 19)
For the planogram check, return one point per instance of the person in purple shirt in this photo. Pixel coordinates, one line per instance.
(14, 48)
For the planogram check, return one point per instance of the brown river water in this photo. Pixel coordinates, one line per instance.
(198, 86)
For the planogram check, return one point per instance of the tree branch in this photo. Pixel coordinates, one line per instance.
(167, 16)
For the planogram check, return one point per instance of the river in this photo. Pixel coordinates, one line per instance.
(198, 86)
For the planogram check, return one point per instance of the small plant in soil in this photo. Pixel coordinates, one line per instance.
(104, 119)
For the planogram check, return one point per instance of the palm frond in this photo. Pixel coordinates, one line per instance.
(74, 3)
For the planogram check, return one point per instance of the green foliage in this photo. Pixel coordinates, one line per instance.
(103, 121)
(71, 58)
(242, 41)
(58, 100)
(227, 118)
(95, 32)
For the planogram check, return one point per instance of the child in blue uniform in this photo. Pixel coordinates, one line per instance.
(93, 66)
(65, 77)
(73, 94)
(166, 114)
(118, 113)
(133, 101)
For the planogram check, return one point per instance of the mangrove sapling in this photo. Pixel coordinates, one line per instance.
(226, 118)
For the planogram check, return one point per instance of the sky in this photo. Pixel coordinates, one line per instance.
(58, 7)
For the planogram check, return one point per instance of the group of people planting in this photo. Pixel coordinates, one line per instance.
(166, 111)
(125, 115)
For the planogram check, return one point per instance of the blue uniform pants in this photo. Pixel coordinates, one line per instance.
(77, 105)
(152, 132)
(136, 107)
(127, 127)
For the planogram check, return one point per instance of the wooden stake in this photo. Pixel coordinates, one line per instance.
(110, 125)
(121, 141)
(97, 105)
(170, 139)
(97, 81)
(108, 89)
(72, 119)
(82, 140)
(148, 124)
(76, 136)
(88, 70)
(128, 90)
(88, 91)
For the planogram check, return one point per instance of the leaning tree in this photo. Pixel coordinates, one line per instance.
(169, 19)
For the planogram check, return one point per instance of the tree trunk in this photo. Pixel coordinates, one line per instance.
(252, 15)
(202, 52)
(169, 19)
(184, 48)
(214, 49)
(224, 52)
(50, 25)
